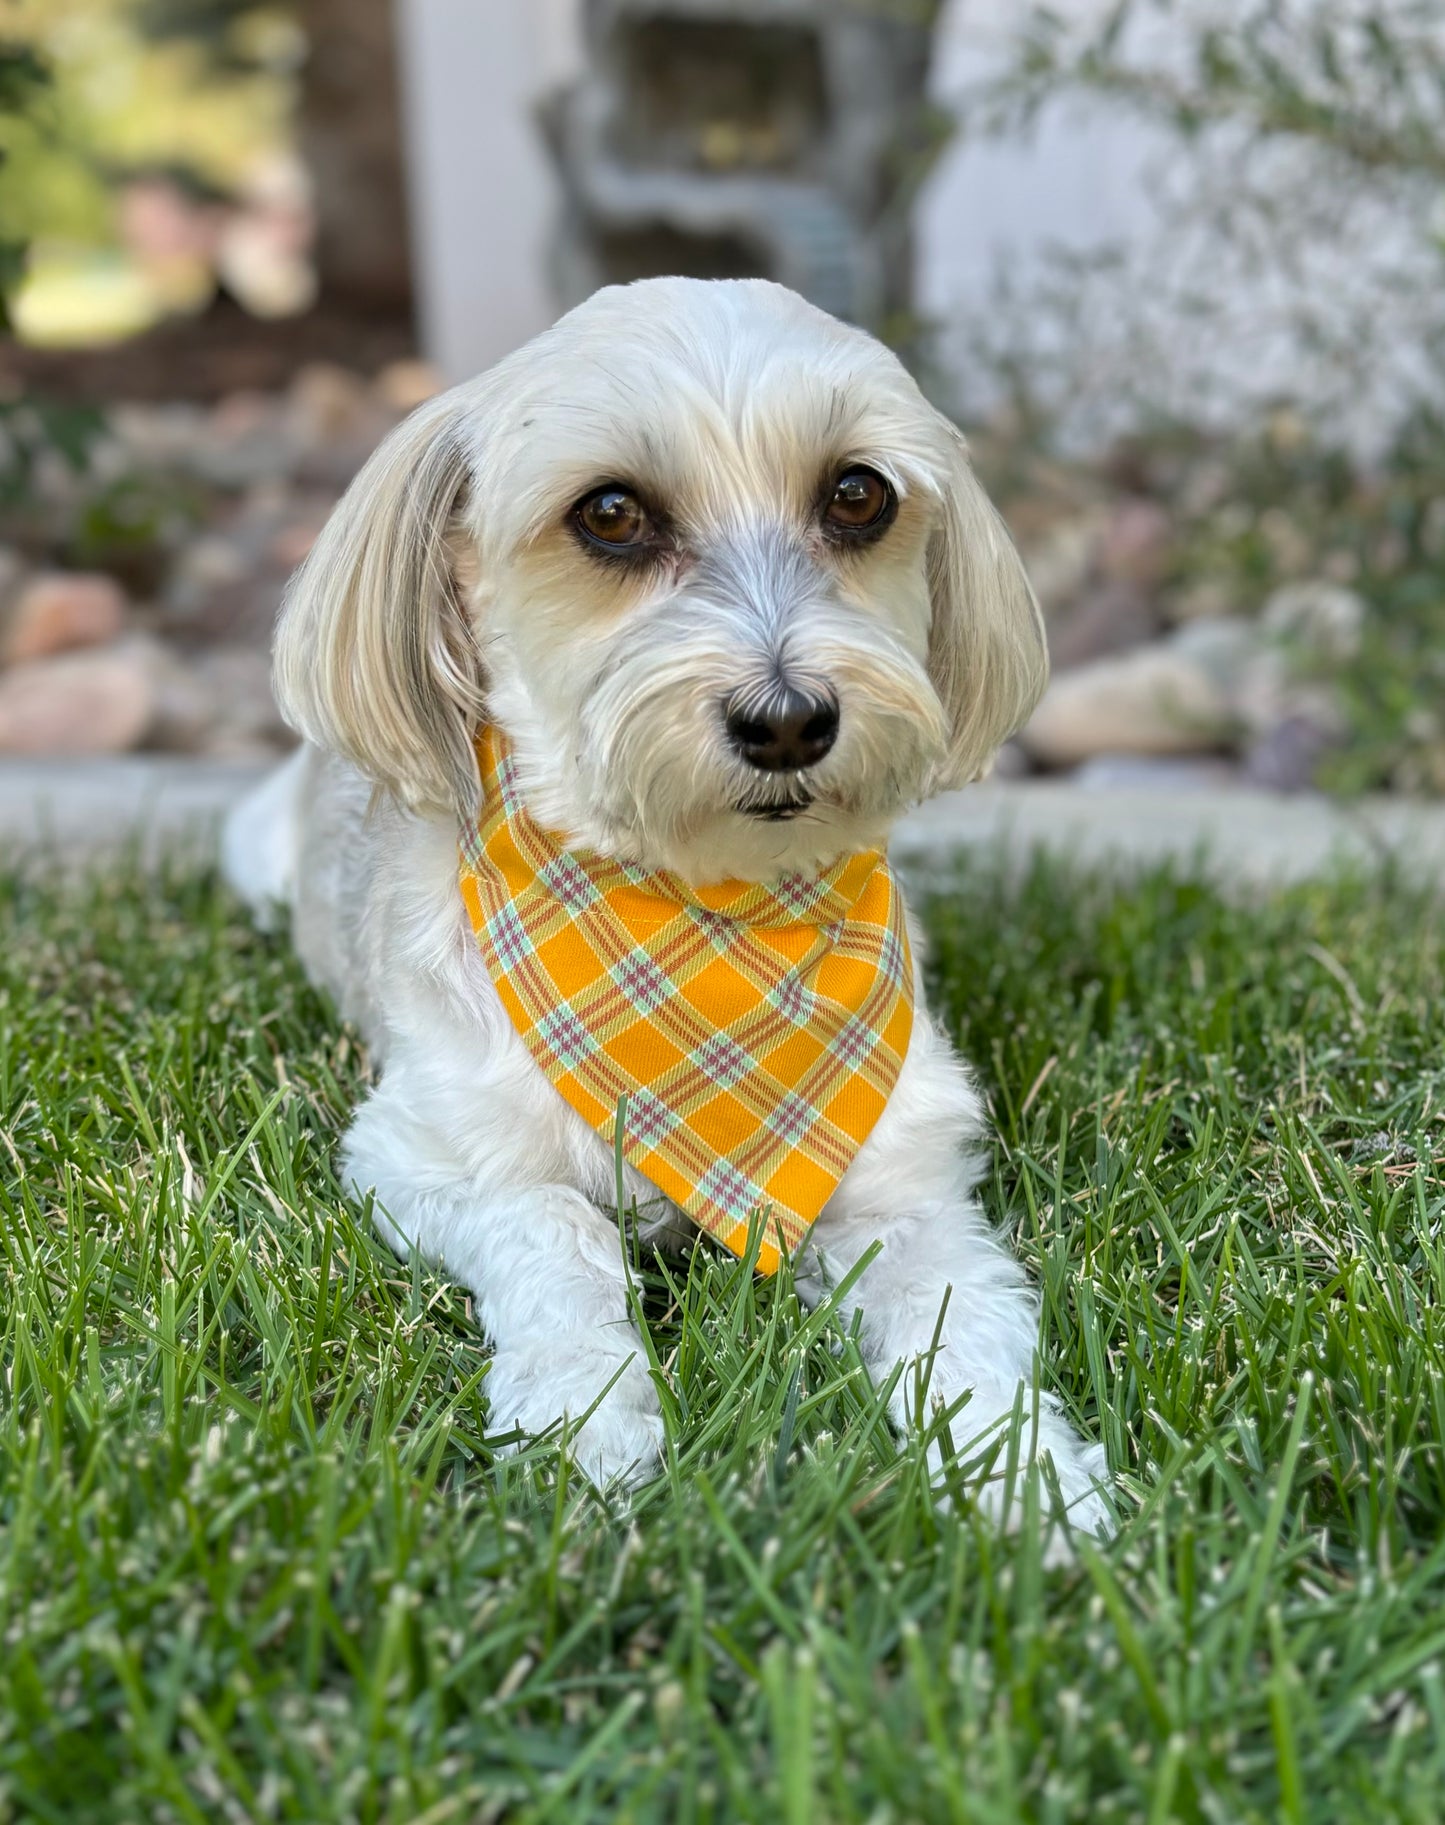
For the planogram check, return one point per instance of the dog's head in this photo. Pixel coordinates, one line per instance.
(710, 560)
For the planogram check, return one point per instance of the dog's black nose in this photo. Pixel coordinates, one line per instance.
(785, 732)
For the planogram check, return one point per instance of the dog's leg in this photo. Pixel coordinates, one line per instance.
(943, 1277)
(546, 1268)
(260, 841)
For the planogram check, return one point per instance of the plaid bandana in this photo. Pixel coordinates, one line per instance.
(755, 1033)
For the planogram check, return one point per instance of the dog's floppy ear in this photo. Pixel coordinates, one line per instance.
(373, 658)
(987, 655)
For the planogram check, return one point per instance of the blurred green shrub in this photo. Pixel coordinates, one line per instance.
(24, 83)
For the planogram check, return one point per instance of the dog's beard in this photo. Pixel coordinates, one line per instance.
(662, 784)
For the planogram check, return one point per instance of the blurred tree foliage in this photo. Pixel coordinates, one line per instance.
(128, 94)
(24, 81)
(28, 431)
(219, 25)
(1363, 80)
(93, 92)
(348, 123)
(209, 94)
(201, 89)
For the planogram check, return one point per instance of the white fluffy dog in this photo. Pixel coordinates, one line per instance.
(728, 585)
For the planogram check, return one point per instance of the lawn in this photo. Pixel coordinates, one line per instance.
(257, 1560)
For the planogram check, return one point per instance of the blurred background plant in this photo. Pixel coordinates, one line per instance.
(24, 80)
(29, 432)
(144, 172)
(1279, 397)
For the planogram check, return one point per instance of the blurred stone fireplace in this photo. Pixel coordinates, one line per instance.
(747, 138)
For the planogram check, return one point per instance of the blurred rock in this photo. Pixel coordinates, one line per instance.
(59, 610)
(247, 438)
(1284, 719)
(1223, 650)
(1137, 544)
(292, 542)
(337, 420)
(1325, 620)
(1106, 618)
(272, 531)
(327, 402)
(1205, 599)
(1290, 722)
(1270, 688)
(1282, 694)
(1010, 763)
(404, 385)
(99, 702)
(184, 707)
(1286, 757)
(52, 481)
(239, 678)
(227, 584)
(207, 567)
(1061, 560)
(159, 436)
(1155, 700)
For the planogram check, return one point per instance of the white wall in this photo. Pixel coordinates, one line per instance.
(483, 194)
(481, 190)
(1079, 181)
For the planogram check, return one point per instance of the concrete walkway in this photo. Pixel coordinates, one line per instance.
(76, 808)
(68, 809)
(1256, 838)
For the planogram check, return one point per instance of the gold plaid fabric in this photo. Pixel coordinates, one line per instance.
(751, 1034)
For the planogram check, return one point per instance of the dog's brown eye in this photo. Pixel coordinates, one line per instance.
(613, 516)
(860, 501)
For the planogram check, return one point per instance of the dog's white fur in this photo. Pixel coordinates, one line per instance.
(448, 585)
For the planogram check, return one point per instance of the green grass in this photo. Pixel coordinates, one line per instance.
(257, 1560)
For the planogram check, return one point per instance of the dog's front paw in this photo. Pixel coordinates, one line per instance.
(1080, 1470)
(537, 1389)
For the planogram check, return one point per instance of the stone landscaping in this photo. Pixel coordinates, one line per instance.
(165, 648)
(154, 636)
(1225, 690)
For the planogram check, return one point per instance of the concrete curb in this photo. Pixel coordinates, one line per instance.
(68, 810)
(72, 809)
(1251, 838)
